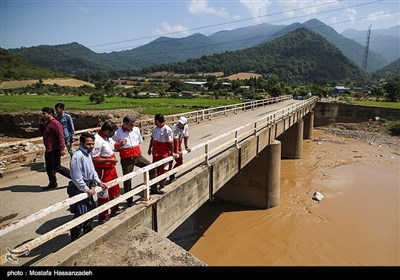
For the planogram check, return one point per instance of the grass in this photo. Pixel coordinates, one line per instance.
(393, 105)
(18, 103)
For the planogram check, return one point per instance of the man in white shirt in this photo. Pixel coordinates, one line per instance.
(105, 162)
(161, 146)
(129, 139)
(180, 132)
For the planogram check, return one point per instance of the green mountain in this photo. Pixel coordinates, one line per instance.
(389, 72)
(351, 49)
(74, 58)
(69, 58)
(163, 50)
(245, 37)
(13, 67)
(299, 56)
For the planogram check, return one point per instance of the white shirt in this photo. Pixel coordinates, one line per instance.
(102, 147)
(133, 137)
(180, 133)
(162, 134)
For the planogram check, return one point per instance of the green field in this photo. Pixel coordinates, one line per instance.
(149, 106)
(394, 105)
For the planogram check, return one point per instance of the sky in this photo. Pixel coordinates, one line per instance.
(116, 25)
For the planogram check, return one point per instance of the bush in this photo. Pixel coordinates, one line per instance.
(97, 97)
(395, 128)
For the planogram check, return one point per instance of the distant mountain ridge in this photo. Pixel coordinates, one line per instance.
(383, 41)
(74, 58)
(297, 57)
(353, 50)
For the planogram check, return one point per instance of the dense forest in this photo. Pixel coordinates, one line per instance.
(14, 67)
(300, 56)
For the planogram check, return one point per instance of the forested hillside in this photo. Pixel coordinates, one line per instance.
(299, 56)
(13, 67)
(389, 72)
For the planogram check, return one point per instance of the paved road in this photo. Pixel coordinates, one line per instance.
(22, 196)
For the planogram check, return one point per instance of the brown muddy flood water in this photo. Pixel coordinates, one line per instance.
(357, 222)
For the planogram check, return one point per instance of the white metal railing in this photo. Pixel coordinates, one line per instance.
(191, 116)
(234, 138)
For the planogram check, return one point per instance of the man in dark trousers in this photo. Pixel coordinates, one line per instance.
(128, 139)
(53, 139)
(84, 179)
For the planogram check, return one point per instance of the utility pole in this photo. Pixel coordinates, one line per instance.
(366, 50)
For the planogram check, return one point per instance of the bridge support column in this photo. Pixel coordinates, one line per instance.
(308, 125)
(292, 141)
(258, 183)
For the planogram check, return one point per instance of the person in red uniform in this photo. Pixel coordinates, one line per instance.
(105, 162)
(161, 146)
(180, 132)
(129, 138)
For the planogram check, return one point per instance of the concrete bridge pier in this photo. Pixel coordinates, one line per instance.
(292, 141)
(308, 125)
(258, 183)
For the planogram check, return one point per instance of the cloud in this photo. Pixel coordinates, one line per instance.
(201, 7)
(351, 14)
(305, 7)
(382, 15)
(257, 9)
(167, 29)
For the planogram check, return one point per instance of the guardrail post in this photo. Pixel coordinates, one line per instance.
(236, 139)
(207, 158)
(146, 179)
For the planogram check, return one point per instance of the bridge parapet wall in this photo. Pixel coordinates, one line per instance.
(334, 112)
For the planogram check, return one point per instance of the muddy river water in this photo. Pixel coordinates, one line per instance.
(356, 223)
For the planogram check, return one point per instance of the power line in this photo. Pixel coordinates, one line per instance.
(242, 20)
(234, 41)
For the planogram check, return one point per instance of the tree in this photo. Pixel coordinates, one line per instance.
(393, 90)
(97, 97)
(39, 84)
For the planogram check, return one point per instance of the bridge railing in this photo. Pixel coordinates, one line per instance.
(147, 124)
(207, 151)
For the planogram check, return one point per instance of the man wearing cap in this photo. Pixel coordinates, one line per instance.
(180, 131)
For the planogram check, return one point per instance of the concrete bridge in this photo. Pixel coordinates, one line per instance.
(236, 153)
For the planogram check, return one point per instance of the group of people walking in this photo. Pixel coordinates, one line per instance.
(94, 162)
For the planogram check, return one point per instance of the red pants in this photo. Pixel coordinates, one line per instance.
(162, 168)
(178, 150)
(106, 175)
